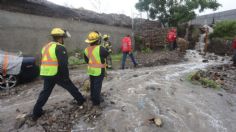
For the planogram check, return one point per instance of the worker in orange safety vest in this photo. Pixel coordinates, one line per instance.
(54, 70)
(95, 56)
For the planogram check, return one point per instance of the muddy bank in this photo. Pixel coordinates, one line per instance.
(222, 76)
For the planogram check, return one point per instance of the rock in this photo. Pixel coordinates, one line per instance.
(157, 121)
(205, 61)
(112, 102)
(123, 108)
(151, 87)
(220, 94)
(135, 75)
(219, 81)
(20, 121)
(17, 110)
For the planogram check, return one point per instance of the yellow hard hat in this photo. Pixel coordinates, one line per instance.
(106, 36)
(57, 32)
(93, 37)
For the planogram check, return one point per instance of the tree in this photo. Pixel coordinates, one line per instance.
(173, 12)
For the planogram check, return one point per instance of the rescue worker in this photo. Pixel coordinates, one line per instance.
(94, 56)
(234, 48)
(54, 70)
(182, 44)
(126, 48)
(171, 39)
(107, 45)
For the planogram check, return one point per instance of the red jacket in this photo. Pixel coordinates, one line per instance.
(234, 44)
(126, 44)
(171, 36)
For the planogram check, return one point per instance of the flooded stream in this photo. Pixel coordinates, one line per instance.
(134, 96)
(142, 94)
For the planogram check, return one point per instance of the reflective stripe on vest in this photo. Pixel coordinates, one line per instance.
(93, 62)
(49, 63)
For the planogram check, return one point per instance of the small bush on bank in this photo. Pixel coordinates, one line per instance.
(146, 50)
(199, 78)
(225, 30)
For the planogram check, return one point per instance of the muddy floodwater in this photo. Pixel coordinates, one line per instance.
(134, 96)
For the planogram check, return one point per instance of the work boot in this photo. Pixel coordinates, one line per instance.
(81, 102)
(33, 117)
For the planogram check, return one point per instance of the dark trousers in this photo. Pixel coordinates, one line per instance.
(124, 59)
(109, 61)
(175, 46)
(49, 84)
(171, 46)
(95, 88)
(234, 57)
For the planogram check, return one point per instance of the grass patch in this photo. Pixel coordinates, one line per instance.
(116, 57)
(146, 50)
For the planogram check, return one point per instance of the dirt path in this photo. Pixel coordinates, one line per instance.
(132, 97)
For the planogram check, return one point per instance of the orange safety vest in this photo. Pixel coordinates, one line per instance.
(49, 62)
(94, 65)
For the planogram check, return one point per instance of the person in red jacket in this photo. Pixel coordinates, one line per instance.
(234, 48)
(171, 39)
(126, 48)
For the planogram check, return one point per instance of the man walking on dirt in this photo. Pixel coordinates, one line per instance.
(126, 48)
(54, 70)
(95, 56)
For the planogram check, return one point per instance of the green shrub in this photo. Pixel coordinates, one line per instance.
(198, 78)
(225, 30)
(209, 83)
(146, 50)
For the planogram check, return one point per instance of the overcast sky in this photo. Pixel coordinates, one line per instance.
(126, 6)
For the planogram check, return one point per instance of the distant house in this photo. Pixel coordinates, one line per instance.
(215, 17)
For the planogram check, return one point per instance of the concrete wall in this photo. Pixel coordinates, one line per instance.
(28, 33)
(220, 16)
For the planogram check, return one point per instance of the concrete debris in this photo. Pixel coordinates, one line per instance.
(157, 121)
(20, 121)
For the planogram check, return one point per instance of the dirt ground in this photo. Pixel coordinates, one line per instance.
(156, 58)
(141, 94)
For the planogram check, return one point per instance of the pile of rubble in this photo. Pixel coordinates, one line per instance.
(149, 34)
